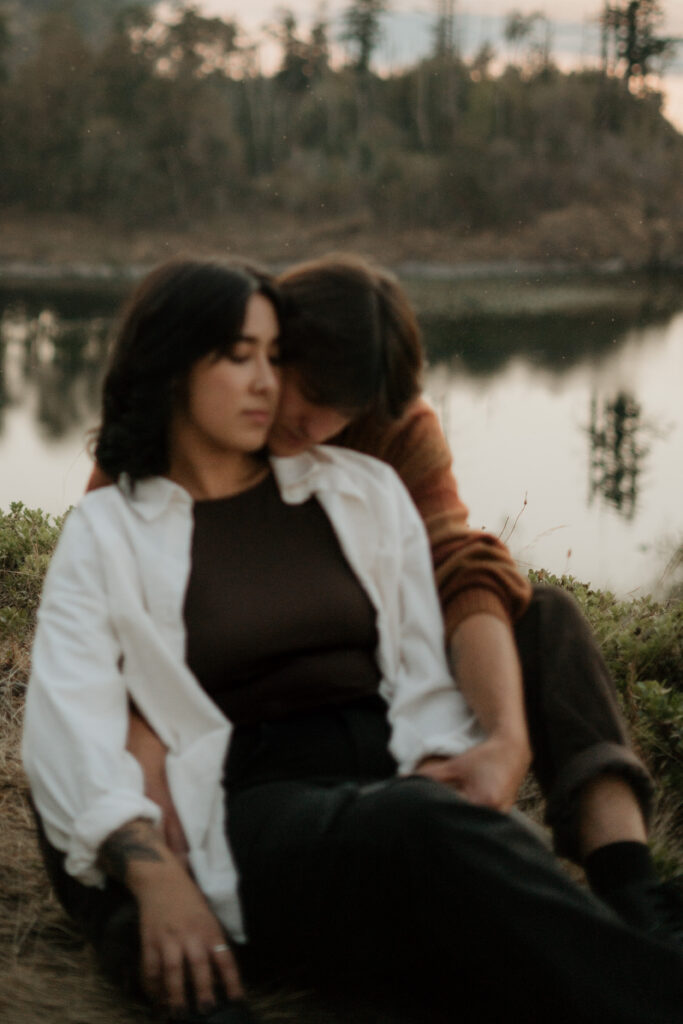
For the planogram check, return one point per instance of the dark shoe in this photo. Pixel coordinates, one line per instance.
(653, 907)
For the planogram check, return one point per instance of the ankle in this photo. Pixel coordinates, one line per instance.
(608, 812)
(617, 865)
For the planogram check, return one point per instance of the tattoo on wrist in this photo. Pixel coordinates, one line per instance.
(132, 842)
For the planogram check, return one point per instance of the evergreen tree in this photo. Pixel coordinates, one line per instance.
(303, 61)
(633, 28)
(362, 29)
(533, 31)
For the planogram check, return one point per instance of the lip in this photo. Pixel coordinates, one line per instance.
(262, 417)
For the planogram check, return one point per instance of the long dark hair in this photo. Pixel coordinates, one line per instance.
(352, 335)
(182, 311)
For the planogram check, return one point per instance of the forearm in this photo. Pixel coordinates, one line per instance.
(146, 747)
(486, 667)
(181, 939)
(135, 855)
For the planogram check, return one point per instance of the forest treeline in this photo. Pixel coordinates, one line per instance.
(115, 115)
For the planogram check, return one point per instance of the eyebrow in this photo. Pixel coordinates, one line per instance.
(253, 340)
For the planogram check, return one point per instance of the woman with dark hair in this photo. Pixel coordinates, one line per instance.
(274, 646)
(276, 623)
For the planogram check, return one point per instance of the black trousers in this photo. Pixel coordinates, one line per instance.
(400, 887)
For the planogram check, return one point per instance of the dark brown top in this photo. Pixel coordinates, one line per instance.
(276, 620)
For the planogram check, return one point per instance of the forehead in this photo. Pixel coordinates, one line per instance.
(294, 387)
(260, 318)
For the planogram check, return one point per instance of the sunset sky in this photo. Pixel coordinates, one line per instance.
(408, 30)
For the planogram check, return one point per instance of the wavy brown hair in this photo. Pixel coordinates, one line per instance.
(352, 334)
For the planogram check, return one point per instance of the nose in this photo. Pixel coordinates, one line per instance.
(266, 377)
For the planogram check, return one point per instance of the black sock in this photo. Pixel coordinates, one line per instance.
(618, 864)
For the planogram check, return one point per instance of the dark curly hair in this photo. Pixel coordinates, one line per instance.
(352, 336)
(181, 312)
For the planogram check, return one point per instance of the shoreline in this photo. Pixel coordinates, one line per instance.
(580, 261)
(579, 238)
(506, 289)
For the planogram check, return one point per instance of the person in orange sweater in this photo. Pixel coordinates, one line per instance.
(523, 657)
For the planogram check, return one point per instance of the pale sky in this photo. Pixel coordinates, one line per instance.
(408, 32)
(256, 11)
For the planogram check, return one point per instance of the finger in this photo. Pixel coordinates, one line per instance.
(174, 978)
(201, 973)
(431, 770)
(228, 972)
(152, 973)
(450, 775)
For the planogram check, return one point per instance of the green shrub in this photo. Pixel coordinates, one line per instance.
(27, 540)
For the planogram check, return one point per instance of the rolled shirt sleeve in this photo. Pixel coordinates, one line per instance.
(84, 783)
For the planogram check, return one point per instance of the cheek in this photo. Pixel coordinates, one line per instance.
(212, 398)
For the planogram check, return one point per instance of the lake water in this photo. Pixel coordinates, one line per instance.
(567, 431)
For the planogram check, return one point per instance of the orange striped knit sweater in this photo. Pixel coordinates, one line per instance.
(474, 570)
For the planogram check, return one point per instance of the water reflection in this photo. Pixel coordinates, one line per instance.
(534, 406)
(54, 364)
(483, 347)
(617, 451)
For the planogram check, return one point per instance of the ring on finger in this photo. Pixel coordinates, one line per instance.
(222, 947)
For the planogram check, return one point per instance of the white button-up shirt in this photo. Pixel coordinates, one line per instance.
(110, 628)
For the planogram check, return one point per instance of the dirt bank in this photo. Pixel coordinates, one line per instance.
(577, 237)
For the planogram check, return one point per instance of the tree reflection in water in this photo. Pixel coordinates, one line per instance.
(54, 362)
(618, 451)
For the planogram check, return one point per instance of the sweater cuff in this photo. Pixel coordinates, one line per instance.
(473, 602)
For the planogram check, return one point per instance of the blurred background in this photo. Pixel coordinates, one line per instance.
(521, 169)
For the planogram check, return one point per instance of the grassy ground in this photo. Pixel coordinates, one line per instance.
(46, 973)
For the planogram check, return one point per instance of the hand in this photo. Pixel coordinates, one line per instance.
(146, 747)
(489, 774)
(179, 935)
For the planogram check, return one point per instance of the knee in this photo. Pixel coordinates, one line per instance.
(556, 608)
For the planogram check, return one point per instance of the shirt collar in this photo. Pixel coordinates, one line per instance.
(153, 495)
(320, 468)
